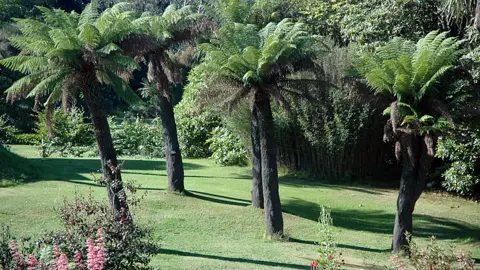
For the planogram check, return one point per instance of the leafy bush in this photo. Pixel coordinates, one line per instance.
(227, 148)
(433, 257)
(194, 127)
(7, 132)
(138, 137)
(72, 136)
(194, 130)
(27, 139)
(462, 150)
(128, 246)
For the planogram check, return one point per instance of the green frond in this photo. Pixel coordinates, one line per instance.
(89, 35)
(435, 79)
(66, 40)
(122, 89)
(33, 28)
(23, 85)
(25, 64)
(119, 63)
(58, 18)
(427, 119)
(48, 84)
(109, 48)
(89, 15)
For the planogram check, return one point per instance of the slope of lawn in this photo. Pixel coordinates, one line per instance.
(213, 226)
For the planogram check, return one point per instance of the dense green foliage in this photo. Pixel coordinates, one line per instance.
(72, 135)
(138, 137)
(462, 151)
(227, 148)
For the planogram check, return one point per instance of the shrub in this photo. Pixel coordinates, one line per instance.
(27, 139)
(138, 137)
(433, 257)
(128, 246)
(329, 258)
(72, 136)
(7, 132)
(227, 148)
(194, 130)
(194, 126)
(462, 150)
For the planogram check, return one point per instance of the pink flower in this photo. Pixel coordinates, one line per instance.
(330, 256)
(32, 262)
(96, 252)
(17, 256)
(55, 256)
(77, 258)
(62, 263)
(313, 265)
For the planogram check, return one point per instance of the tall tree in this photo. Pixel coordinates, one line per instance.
(246, 62)
(154, 42)
(412, 76)
(66, 54)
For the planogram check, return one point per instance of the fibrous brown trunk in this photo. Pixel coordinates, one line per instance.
(417, 153)
(257, 188)
(108, 156)
(173, 156)
(271, 196)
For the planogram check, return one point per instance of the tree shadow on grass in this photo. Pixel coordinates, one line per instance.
(230, 259)
(381, 222)
(313, 243)
(298, 182)
(75, 170)
(215, 198)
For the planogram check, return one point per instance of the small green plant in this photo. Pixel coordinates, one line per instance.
(330, 258)
(433, 256)
(227, 148)
(5, 255)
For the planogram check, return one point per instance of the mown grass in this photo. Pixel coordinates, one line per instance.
(212, 226)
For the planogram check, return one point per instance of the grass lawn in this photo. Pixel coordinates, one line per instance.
(213, 226)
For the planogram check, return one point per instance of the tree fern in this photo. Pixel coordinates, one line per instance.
(412, 74)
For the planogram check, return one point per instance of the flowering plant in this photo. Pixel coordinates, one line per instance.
(330, 258)
(433, 257)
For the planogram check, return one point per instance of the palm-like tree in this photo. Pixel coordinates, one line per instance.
(66, 54)
(411, 75)
(156, 37)
(245, 61)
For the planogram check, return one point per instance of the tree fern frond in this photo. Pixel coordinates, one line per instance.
(25, 64)
(123, 89)
(89, 35)
(50, 83)
(89, 14)
(22, 86)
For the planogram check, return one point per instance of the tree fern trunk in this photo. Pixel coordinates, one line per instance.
(257, 188)
(173, 155)
(272, 205)
(108, 155)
